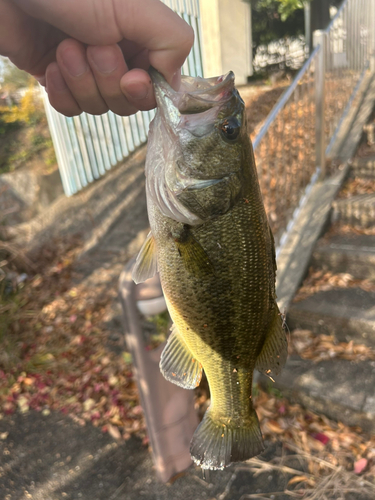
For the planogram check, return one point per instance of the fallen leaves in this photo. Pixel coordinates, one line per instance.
(331, 455)
(319, 280)
(344, 229)
(360, 465)
(325, 347)
(55, 354)
(357, 186)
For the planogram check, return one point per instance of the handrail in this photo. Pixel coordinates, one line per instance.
(284, 99)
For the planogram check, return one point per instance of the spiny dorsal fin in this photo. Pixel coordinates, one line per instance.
(275, 348)
(146, 263)
(177, 363)
(193, 255)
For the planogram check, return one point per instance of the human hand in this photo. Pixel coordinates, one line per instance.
(93, 55)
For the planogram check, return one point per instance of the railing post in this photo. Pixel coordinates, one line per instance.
(371, 24)
(319, 38)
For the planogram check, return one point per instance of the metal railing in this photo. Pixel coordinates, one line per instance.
(293, 144)
(87, 146)
(347, 46)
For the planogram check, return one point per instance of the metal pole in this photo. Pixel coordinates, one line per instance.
(370, 27)
(307, 15)
(319, 38)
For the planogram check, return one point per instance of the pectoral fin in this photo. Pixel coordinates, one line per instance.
(194, 257)
(275, 348)
(146, 264)
(177, 363)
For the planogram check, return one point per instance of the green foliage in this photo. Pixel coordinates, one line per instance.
(30, 110)
(276, 19)
(23, 132)
(7, 126)
(288, 7)
(161, 323)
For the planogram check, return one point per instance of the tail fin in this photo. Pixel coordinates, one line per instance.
(215, 445)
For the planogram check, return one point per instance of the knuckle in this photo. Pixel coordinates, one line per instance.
(188, 39)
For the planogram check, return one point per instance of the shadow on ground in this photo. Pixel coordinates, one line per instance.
(52, 457)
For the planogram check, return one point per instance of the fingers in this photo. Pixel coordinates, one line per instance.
(76, 71)
(95, 80)
(151, 24)
(136, 85)
(108, 66)
(148, 23)
(59, 94)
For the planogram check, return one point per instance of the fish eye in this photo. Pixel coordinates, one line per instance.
(230, 128)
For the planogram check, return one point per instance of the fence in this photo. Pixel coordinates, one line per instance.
(292, 146)
(87, 146)
(298, 135)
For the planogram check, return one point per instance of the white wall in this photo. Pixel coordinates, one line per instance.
(226, 34)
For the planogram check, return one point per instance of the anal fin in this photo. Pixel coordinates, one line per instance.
(146, 264)
(274, 352)
(177, 363)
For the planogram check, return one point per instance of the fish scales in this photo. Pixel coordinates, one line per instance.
(213, 248)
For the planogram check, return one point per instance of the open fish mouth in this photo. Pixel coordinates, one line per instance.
(195, 96)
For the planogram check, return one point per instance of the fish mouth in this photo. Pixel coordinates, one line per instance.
(195, 96)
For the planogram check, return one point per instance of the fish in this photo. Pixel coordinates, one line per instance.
(212, 245)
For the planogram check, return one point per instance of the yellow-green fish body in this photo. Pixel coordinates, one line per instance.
(214, 250)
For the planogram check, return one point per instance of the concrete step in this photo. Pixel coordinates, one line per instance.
(363, 167)
(348, 314)
(349, 253)
(340, 389)
(358, 211)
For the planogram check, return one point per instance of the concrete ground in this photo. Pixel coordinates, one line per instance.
(50, 457)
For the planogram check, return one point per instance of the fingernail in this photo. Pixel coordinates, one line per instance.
(104, 58)
(57, 80)
(176, 80)
(137, 90)
(74, 63)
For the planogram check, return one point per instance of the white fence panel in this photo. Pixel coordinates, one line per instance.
(87, 146)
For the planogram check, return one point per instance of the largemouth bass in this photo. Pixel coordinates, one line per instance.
(211, 243)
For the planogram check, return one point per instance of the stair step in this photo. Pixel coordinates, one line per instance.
(357, 211)
(351, 253)
(348, 314)
(363, 167)
(340, 389)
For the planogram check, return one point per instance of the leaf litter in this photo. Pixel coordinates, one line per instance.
(321, 459)
(55, 357)
(55, 354)
(357, 186)
(319, 280)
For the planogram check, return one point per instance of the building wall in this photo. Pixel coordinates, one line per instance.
(226, 34)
